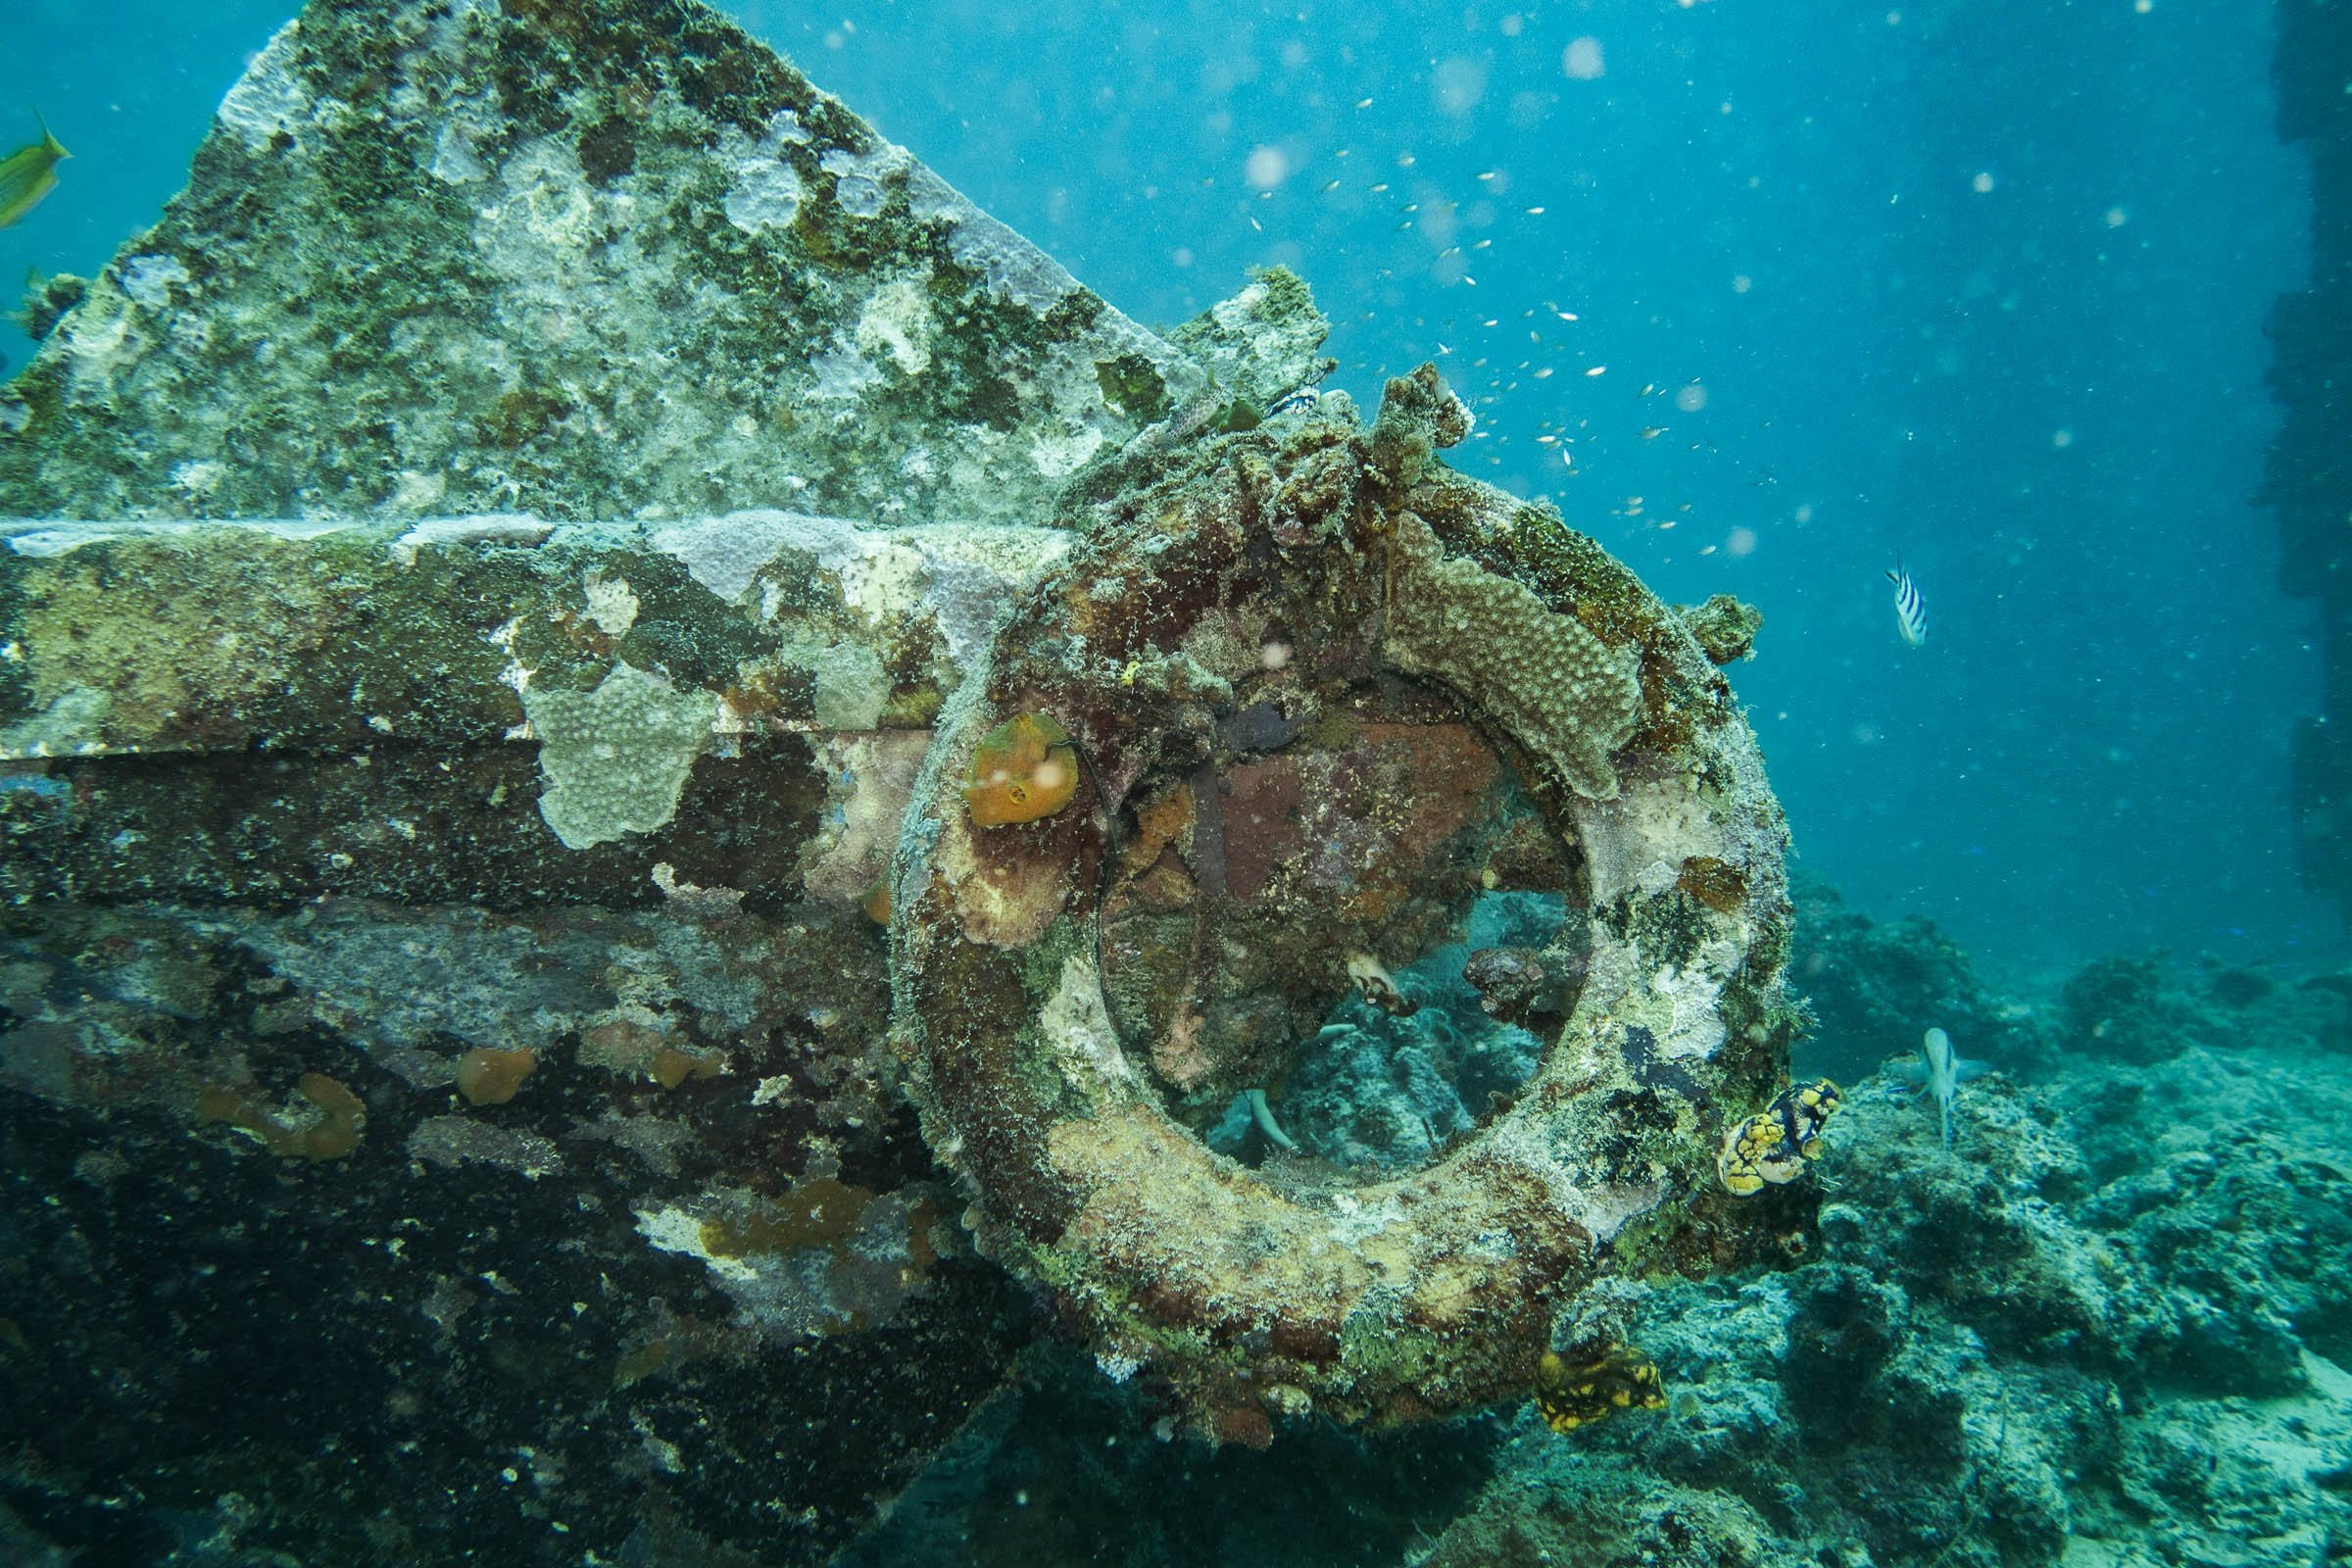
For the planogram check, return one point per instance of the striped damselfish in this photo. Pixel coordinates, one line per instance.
(1911, 616)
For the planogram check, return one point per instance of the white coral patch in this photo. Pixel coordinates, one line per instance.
(1076, 1025)
(842, 373)
(612, 602)
(899, 321)
(101, 343)
(1015, 269)
(268, 98)
(1059, 454)
(1638, 841)
(765, 194)
(679, 1230)
(852, 687)
(868, 778)
(149, 280)
(544, 213)
(961, 574)
(455, 161)
(198, 476)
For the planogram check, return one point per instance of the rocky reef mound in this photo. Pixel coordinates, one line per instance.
(2106, 1326)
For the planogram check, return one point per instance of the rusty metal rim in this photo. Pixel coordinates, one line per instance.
(1429, 1290)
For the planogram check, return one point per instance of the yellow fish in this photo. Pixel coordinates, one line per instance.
(28, 173)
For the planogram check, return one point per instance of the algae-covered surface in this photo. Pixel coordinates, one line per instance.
(700, 868)
(611, 259)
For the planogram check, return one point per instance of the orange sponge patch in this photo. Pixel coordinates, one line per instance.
(490, 1077)
(1025, 768)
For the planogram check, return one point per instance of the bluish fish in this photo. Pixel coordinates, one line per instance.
(28, 173)
(1941, 1071)
(1910, 614)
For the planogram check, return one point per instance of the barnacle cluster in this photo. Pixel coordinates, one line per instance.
(1773, 1145)
(1573, 1392)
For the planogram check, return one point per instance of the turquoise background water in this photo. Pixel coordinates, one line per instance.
(1984, 286)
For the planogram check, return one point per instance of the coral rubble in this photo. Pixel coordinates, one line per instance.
(2110, 1326)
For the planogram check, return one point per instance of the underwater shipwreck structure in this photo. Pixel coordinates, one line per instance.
(2305, 475)
(657, 785)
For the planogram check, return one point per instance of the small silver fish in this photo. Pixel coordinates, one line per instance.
(1910, 614)
(1941, 1071)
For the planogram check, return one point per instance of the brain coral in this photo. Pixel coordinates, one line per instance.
(1552, 683)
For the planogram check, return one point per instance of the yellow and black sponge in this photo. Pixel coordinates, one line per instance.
(1576, 1391)
(1773, 1145)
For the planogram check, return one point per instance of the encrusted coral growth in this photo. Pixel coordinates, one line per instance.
(2115, 1333)
(826, 1257)
(1383, 1089)
(487, 1076)
(324, 1121)
(1873, 987)
(1569, 697)
(405, 1262)
(1025, 768)
(1724, 627)
(615, 758)
(1417, 416)
(1262, 343)
(2119, 1008)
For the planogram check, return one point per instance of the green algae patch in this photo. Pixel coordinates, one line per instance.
(1134, 386)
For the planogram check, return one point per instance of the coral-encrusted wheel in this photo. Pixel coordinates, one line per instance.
(1321, 691)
